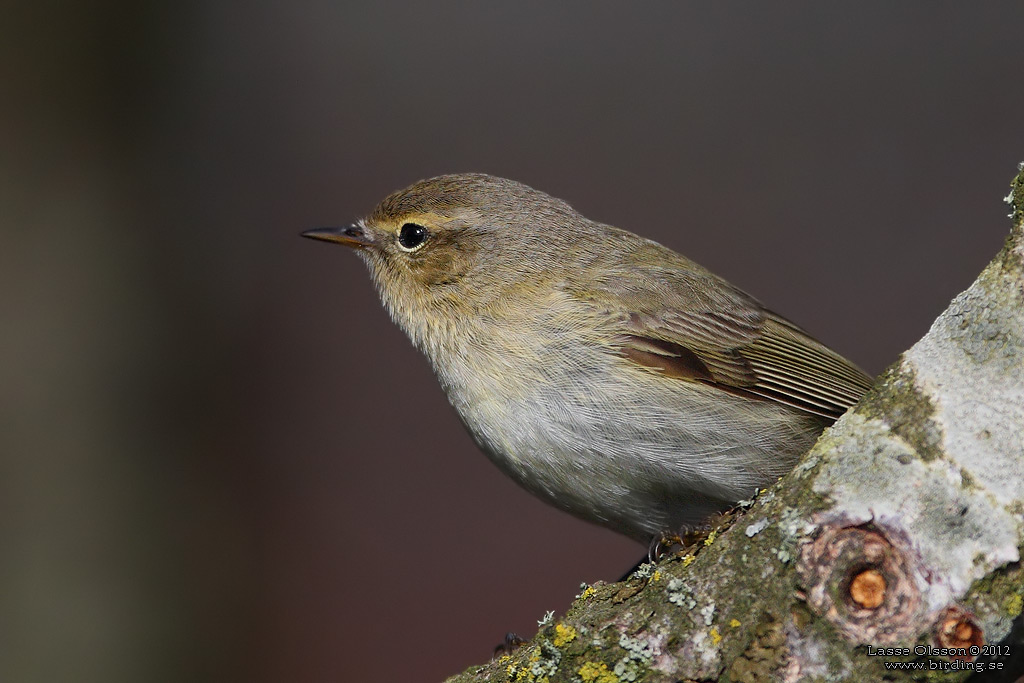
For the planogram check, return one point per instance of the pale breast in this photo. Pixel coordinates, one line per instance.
(584, 429)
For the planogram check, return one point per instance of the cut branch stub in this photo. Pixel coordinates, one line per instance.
(867, 589)
(862, 584)
(957, 628)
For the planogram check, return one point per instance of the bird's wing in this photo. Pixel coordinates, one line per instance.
(690, 325)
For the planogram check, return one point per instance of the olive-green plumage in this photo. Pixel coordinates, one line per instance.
(607, 374)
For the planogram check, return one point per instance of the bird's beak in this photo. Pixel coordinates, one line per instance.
(352, 235)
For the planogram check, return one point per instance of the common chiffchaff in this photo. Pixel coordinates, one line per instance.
(607, 374)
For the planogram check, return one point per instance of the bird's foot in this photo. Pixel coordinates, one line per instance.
(662, 544)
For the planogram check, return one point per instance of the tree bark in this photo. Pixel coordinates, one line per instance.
(902, 528)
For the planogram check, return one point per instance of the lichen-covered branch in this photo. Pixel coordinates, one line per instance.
(895, 542)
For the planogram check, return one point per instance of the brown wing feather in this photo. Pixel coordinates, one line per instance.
(774, 365)
(690, 325)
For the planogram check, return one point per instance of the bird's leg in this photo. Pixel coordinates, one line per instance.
(511, 643)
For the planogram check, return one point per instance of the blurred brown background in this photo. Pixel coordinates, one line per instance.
(202, 471)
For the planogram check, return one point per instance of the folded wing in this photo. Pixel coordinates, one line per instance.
(688, 324)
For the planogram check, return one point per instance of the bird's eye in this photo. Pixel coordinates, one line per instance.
(411, 236)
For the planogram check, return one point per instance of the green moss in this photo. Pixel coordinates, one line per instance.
(907, 412)
(998, 599)
(763, 657)
(1016, 197)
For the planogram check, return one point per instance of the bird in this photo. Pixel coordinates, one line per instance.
(607, 374)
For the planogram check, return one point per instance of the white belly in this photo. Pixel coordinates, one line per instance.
(619, 446)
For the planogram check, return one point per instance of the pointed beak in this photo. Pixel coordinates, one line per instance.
(350, 235)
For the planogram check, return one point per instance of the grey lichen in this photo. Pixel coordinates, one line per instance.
(638, 657)
(757, 527)
(644, 571)
(545, 660)
(793, 524)
(708, 613)
(679, 594)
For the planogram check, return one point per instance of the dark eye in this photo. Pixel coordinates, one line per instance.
(411, 236)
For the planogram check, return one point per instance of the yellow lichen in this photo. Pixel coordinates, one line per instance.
(711, 537)
(587, 592)
(734, 623)
(656, 576)
(689, 559)
(1014, 605)
(594, 672)
(564, 635)
(528, 676)
(716, 637)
